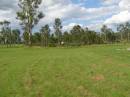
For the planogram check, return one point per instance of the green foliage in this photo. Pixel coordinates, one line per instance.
(76, 33)
(108, 35)
(36, 38)
(58, 32)
(45, 35)
(8, 36)
(77, 36)
(29, 15)
(16, 36)
(26, 38)
(124, 30)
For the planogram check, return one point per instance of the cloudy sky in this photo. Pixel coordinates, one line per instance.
(90, 13)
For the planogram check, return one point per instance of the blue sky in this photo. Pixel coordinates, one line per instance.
(92, 3)
(87, 13)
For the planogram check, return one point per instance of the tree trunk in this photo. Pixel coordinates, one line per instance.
(128, 36)
(121, 36)
(30, 38)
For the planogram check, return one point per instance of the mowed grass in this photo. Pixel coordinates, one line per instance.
(91, 71)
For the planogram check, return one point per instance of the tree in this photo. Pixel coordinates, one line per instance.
(26, 38)
(91, 37)
(121, 29)
(77, 33)
(84, 36)
(36, 38)
(128, 31)
(45, 34)
(58, 28)
(111, 37)
(1, 34)
(29, 16)
(53, 40)
(16, 36)
(6, 32)
(66, 37)
(124, 30)
(108, 34)
(104, 31)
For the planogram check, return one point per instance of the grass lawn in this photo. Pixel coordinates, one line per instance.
(91, 71)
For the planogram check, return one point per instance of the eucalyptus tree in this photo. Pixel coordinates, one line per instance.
(26, 38)
(36, 39)
(1, 35)
(124, 29)
(16, 36)
(6, 32)
(104, 31)
(121, 29)
(111, 36)
(77, 33)
(58, 30)
(52, 40)
(45, 34)
(29, 16)
(128, 31)
(66, 37)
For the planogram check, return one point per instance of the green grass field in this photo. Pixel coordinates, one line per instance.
(91, 71)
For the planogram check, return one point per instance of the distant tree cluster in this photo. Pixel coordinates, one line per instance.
(77, 36)
(7, 36)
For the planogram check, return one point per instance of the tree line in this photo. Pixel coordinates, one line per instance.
(29, 16)
(7, 36)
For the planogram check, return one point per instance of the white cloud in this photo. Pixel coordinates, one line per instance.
(48, 3)
(74, 11)
(122, 17)
(6, 5)
(69, 11)
(70, 26)
(6, 15)
(109, 2)
(124, 4)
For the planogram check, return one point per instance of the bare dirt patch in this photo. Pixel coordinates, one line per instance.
(120, 74)
(128, 49)
(28, 81)
(94, 65)
(124, 65)
(98, 77)
(83, 91)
